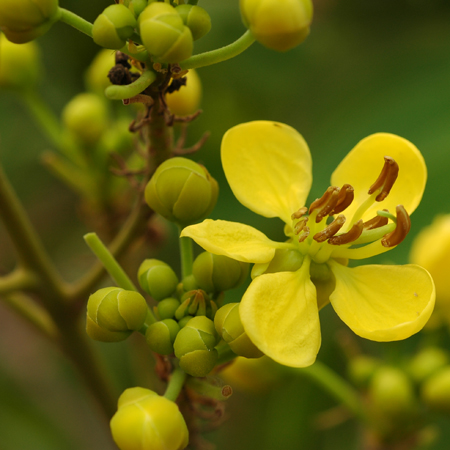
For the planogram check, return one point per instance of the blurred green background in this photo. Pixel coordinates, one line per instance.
(368, 66)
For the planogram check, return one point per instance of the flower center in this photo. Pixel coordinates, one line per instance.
(321, 239)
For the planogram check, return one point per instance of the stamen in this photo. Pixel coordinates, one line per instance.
(386, 179)
(330, 230)
(300, 225)
(376, 222)
(345, 198)
(401, 230)
(351, 235)
(298, 214)
(304, 235)
(326, 203)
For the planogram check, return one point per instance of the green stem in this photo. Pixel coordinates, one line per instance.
(187, 256)
(17, 280)
(210, 387)
(220, 54)
(117, 92)
(110, 263)
(175, 385)
(337, 387)
(225, 354)
(75, 21)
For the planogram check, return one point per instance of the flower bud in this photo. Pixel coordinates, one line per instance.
(229, 326)
(163, 33)
(20, 65)
(216, 273)
(166, 308)
(161, 335)
(146, 421)
(116, 311)
(196, 303)
(186, 100)
(194, 346)
(114, 26)
(96, 76)
(182, 191)
(157, 279)
(361, 369)
(427, 362)
(86, 117)
(196, 19)
(137, 6)
(435, 391)
(25, 20)
(184, 321)
(279, 25)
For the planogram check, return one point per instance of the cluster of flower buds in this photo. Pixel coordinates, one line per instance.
(145, 420)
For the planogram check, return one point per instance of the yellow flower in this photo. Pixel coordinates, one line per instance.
(268, 166)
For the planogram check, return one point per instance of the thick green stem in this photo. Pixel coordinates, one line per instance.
(220, 54)
(75, 21)
(110, 263)
(337, 387)
(187, 256)
(18, 280)
(116, 92)
(175, 385)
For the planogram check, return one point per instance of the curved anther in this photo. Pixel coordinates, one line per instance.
(298, 214)
(300, 225)
(330, 230)
(304, 235)
(376, 222)
(349, 237)
(386, 179)
(345, 198)
(326, 203)
(401, 230)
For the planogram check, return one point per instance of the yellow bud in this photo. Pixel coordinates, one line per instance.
(96, 75)
(278, 24)
(86, 117)
(146, 421)
(196, 18)
(186, 100)
(25, 20)
(20, 65)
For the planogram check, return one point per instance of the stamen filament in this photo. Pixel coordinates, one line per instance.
(365, 205)
(374, 234)
(373, 249)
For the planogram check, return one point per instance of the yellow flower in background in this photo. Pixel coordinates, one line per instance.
(268, 167)
(431, 249)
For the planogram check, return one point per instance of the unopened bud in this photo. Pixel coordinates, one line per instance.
(435, 391)
(186, 99)
(427, 362)
(157, 279)
(182, 191)
(196, 303)
(196, 19)
(161, 335)
(96, 76)
(361, 369)
(166, 308)
(137, 6)
(146, 421)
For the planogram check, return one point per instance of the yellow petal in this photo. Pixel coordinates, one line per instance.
(232, 239)
(268, 167)
(363, 164)
(383, 303)
(279, 313)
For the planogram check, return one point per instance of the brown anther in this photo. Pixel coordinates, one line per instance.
(376, 222)
(326, 203)
(298, 227)
(330, 230)
(386, 179)
(351, 235)
(304, 235)
(401, 230)
(345, 198)
(301, 212)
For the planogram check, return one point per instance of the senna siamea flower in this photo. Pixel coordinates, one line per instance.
(364, 213)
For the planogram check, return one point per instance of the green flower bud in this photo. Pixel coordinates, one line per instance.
(161, 335)
(216, 273)
(145, 420)
(184, 321)
(229, 326)
(25, 20)
(361, 370)
(96, 75)
(435, 391)
(427, 362)
(166, 308)
(182, 191)
(196, 303)
(186, 100)
(189, 283)
(116, 311)
(194, 346)
(196, 19)
(392, 394)
(137, 6)
(278, 24)
(163, 33)
(86, 117)
(114, 26)
(157, 279)
(20, 65)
